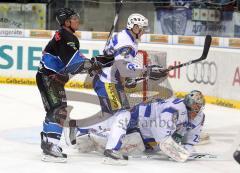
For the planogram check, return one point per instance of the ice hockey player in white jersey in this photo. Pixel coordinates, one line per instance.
(175, 119)
(172, 126)
(108, 85)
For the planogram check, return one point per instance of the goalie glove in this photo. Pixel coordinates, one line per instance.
(156, 72)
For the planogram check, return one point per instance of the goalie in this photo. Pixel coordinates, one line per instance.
(172, 126)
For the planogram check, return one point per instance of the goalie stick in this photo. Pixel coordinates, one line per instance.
(192, 157)
(207, 44)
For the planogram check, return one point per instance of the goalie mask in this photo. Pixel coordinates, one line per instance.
(138, 19)
(64, 14)
(194, 102)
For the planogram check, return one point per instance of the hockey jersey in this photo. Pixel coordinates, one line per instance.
(163, 118)
(123, 47)
(61, 54)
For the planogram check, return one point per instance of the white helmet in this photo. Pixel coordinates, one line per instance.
(137, 19)
(194, 102)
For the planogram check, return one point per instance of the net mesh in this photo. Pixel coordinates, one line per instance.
(147, 90)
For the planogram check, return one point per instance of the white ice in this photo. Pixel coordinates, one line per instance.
(22, 114)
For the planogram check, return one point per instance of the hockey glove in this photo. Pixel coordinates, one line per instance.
(156, 72)
(95, 68)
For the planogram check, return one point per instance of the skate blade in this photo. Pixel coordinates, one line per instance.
(110, 161)
(47, 158)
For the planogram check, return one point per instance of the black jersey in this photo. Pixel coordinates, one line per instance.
(62, 54)
(64, 44)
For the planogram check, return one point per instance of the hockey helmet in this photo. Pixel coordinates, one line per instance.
(138, 19)
(194, 102)
(64, 14)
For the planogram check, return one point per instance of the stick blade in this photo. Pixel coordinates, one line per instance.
(207, 44)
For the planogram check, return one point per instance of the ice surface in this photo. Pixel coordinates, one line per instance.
(22, 114)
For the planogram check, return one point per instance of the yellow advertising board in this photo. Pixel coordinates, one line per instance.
(159, 38)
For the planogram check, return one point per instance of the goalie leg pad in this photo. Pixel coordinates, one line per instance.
(85, 144)
(133, 144)
(173, 150)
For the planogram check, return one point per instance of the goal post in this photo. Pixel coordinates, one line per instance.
(147, 89)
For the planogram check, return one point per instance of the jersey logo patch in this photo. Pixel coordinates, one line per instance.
(72, 44)
(131, 67)
(57, 36)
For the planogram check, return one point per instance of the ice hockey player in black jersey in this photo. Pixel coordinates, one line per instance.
(61, 58)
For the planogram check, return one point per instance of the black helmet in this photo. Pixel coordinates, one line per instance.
(63, 14)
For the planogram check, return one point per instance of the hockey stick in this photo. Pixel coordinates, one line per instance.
(193, 157)
(114, 23)
(207, 44)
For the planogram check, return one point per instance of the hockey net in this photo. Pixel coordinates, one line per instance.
(147, 90)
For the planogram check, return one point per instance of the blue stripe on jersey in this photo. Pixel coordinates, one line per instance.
(83, 131)
(130, 35)
(49, 127)
(55, 64)
(177, 100)
(118, 76)
(75, 62)
(170, 110)
(119, 144)
(148, 111)
(52, 62)
(191, 125)
(99, 88)
(133, 123)
(129, 51)
(203, 120)
(146, 140)
(133, 53)
(115, 40)
(104, 74)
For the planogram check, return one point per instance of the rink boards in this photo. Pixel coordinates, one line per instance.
(218, 77)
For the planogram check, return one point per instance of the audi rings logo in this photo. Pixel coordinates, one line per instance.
(202, 72)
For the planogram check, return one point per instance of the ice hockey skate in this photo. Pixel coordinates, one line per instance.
(52, 152)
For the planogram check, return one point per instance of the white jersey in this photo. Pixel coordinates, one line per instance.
(124, 48)
(157, 121)
(164, 118)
